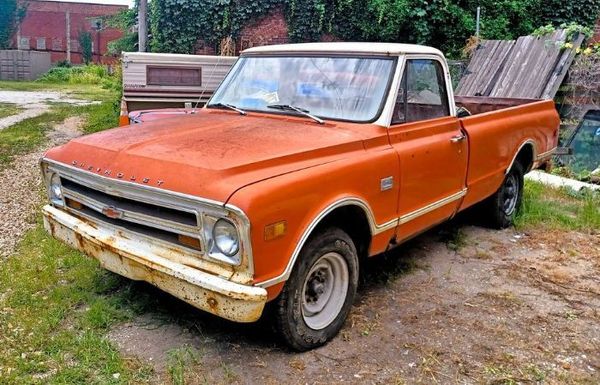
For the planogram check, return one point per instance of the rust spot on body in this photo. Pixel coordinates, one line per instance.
(212, 302)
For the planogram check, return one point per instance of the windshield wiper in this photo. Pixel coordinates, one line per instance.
(230, 106)
(301, 111)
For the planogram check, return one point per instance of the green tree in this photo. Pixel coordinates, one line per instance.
(126, 21)
(10, 15)
(85, 43)
(557, 12)
(176, 25)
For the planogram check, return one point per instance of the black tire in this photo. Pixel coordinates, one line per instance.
(502, 207)
(289, 308)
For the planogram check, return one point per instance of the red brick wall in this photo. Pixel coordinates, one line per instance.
(596, 38)
(202, 48)
(46, 23)
(269, 29)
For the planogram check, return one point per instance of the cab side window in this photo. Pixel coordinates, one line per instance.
(422, 94)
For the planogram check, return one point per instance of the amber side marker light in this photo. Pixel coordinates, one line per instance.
(192, 242)
(74, 204)
(275, 230)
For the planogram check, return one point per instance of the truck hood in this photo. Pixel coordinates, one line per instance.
(211, 154)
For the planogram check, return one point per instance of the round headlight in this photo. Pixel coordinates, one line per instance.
(56, 195)
(226, 237)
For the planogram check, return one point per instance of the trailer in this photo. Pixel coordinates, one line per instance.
(164, 80)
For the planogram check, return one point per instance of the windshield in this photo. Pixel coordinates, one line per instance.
(343, 88)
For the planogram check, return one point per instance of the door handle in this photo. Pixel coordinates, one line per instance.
(458, 138)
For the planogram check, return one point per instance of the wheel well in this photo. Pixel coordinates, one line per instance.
(525, 157)
(352, 220)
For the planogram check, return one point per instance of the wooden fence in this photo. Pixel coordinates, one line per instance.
(530, 67)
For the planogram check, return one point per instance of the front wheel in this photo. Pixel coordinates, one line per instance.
(317, 298)
(506, 202)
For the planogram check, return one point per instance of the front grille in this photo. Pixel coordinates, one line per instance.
(164, 213)
(164, 223)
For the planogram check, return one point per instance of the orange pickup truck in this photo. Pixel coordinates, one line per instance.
(306, 160)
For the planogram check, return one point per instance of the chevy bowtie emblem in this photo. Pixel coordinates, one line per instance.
(112, 212)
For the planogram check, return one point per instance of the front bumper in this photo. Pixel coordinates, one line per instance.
(132, 258)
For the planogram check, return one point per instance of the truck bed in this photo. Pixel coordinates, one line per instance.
(498, 128)
(479, 104)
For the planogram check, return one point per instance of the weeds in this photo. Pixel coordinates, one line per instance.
(9, 109)
(558, 209)
(55, 307)
(92, 74)
(179, 361)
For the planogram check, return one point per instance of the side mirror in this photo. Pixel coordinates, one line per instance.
(462, 112)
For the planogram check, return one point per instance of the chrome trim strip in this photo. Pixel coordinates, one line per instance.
(166, 198)
(350, 201)
(528, 141)
(433, 206)
(375, 228)
(546, 154)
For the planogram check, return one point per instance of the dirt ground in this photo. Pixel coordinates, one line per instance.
(466, 306)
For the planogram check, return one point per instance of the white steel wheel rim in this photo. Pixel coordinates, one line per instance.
(324, 290)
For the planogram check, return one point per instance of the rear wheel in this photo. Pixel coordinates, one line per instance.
(317, 298)
(506, 202)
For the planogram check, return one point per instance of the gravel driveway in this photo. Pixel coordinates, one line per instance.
(34, 104)
(20, 183)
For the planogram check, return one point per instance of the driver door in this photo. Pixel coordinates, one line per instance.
(431, 147)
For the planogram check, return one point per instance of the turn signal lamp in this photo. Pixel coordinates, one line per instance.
(275, 230)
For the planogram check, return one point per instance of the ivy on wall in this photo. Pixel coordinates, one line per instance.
(10, 14)
(177, 25)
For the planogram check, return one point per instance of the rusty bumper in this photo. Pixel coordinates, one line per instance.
(132, 258)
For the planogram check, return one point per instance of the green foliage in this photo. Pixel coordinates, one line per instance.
(573, 29)
(177, 25)
(544, 30)
(10, 14)
(125, 21)
(88, 74)
(583, 12)
(56, 307)
(85, 42)
(558, 208)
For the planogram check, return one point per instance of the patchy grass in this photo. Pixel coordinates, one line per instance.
(55, 308)
(9, 109)
(558, 208)
(182, 364)
(29, 134)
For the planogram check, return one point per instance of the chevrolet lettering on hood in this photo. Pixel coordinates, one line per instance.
(119, 175)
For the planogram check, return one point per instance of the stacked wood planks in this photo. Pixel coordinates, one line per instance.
(530, 67)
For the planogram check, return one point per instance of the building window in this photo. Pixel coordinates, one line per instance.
(24, 43)
(96, 24)
(41, 43)
(57, 44)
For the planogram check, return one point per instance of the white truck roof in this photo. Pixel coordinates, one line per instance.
(391, 49)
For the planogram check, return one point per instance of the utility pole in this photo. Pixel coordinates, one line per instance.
(142, 26)
(478, 21)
